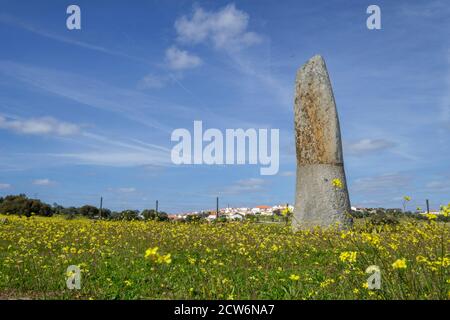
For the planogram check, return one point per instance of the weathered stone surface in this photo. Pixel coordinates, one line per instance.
(319, 151)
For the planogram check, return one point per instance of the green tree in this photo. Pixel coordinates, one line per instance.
(128, 215)
(151, 214)
(89, 211)
(21, 205)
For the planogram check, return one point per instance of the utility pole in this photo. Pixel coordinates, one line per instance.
(101, 206)
(156, 207)
(217, 207)
(287, 213)
(428, 206)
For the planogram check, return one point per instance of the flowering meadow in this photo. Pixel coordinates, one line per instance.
(234, 260)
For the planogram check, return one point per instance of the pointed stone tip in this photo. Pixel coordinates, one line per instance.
(315, 58)
(317, 62)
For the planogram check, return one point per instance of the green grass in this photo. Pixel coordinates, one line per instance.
(219, 261)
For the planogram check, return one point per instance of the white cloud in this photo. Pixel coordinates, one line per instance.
(98, 150)
(43, 182)
(245, 185)
(176, 60)
(5, 186)
(152, 81)
(366, 146)
(39, 126)
(123, 190)
(381, 182)
(287, 174)
(129, 104)
(226, 28)
(114, 158)
(181, 59)
(438, 185)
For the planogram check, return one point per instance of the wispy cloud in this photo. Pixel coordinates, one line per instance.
(245, 185)
(251, 66)
(89, 148)
(381, 182)
(123, 190)
(287, 174)
(15, 22)
(154, 81)
(100, 150)
(116, 159)
(39, 126)
(43, 182)
(106, 151)
(130, 104)
(438, 185)
(127, 190)
(367, 146)
(131, 144)
(4, 186)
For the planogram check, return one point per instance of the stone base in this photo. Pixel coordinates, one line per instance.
(318, 202)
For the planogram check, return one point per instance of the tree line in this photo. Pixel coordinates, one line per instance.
(21, 205)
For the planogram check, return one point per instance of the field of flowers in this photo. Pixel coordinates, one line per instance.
(235, 260)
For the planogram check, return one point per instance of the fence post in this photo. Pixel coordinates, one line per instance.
(217, 207)
(101, 207)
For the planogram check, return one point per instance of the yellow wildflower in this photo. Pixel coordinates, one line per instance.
(164, 259)
(337, 183)
(399, 264)
(128, 283)
(151, 252)
(348, 256)
(326, 283)
(294, 277)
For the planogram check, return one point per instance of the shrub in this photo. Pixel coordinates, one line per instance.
(88, 211)
(151, 214)
(379, 219)
(127, 215)
(21, 205)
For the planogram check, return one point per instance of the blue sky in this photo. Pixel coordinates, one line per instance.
(89, 113)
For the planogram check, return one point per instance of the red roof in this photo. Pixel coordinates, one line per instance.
(263, 207)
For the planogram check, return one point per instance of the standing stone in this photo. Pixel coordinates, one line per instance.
(318, 201)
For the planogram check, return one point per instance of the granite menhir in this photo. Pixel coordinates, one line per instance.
(321, 197)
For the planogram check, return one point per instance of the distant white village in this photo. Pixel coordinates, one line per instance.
(235, 213)
(241, 213)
